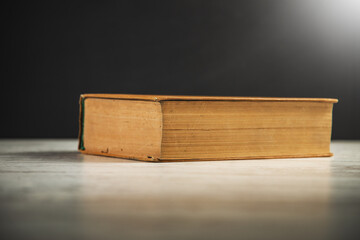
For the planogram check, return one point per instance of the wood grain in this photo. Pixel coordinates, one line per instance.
(50, 191)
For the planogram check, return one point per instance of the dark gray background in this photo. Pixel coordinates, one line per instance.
(55, 50)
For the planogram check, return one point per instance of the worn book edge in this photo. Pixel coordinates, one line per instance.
(157, 98)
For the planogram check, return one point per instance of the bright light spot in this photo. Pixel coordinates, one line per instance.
(336, 22)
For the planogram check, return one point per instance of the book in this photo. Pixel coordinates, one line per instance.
(181, 128)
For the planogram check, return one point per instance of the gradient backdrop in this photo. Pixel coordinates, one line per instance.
(55, 50)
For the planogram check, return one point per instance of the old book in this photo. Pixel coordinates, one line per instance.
(177, 128)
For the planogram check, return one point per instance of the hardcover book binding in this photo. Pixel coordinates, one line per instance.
(177, 128)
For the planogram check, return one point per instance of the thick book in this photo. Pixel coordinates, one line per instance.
(180, 128)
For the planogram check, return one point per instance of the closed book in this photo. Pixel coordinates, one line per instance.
(180, 128)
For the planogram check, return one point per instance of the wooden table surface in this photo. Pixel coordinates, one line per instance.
(50, 191)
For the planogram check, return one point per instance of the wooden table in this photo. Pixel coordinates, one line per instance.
(50, 191)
